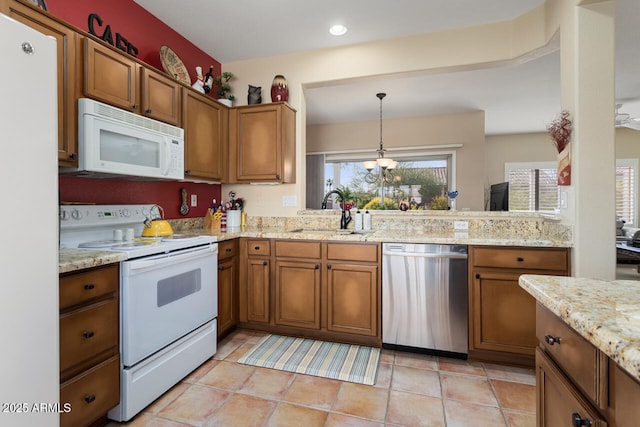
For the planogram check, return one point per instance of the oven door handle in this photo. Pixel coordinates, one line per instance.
(165, 260)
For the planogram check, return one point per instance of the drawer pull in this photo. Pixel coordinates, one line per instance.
(551, 340)
(520, 259)
(89, 286)
(89, 398)
(228, 250)
(88, 334)
(256, 248)
(578, 421)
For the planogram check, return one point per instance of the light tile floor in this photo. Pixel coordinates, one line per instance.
(410, 390)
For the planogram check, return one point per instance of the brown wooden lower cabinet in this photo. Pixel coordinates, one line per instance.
(297, 289)
(559, 402)
(625, 398)
(577, 384)
(227, 286)
(324, 290)
(502, 317)
(352, 298)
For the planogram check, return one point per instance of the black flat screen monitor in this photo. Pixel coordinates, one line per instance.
(499, 200)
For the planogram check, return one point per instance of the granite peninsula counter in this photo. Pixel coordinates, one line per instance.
(605, 313)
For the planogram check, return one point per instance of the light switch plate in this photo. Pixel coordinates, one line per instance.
(194, 200)
(563, 199)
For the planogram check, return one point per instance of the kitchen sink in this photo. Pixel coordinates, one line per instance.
(325, 232)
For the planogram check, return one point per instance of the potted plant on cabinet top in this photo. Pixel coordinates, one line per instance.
(224, 90)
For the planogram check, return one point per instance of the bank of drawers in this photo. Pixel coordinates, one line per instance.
(89, 354)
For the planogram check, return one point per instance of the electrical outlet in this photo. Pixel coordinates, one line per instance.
(289, 201)
(194, 200)
(461, 225)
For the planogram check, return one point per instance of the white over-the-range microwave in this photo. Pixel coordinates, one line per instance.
(116, 143)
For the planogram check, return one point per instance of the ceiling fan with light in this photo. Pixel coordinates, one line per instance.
(626, 120)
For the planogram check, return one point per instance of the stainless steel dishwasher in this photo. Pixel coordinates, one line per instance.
(424, 298)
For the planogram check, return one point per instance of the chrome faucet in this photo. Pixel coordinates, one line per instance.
(344, 219)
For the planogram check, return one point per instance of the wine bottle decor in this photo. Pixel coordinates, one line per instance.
(279, 89)
(208, 80)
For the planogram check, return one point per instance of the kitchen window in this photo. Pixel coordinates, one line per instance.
(534, 187)
(626, 190)
(419, 177)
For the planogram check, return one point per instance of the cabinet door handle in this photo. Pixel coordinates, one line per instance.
(148, 111)
(578, 421)
(73, 156)
(264, 263)
(89, 286)
(477, 275)
(228, 250)
(90, 398)
(220, 268)
(520, 259)
(551, 340)
(277, 176)
(134, 107)
(328, 266)
(87, 334)
(316, 267)
(187, 172)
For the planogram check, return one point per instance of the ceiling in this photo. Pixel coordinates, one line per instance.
(515, 98)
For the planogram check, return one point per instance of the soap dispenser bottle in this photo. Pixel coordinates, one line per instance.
(358, 221)
(366, 219)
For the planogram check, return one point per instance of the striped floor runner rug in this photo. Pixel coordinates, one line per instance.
(353, 363)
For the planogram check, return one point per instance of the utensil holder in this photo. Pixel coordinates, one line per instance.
(234, 220)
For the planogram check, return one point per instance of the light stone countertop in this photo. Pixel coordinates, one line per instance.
(605, 313)
(78, 259)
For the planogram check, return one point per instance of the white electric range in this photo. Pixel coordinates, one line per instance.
(168, 297)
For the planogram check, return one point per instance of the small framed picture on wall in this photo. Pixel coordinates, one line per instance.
(40, 3)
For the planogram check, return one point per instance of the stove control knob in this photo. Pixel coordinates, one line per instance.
(64, 215)
(75, 214)
(126, 213)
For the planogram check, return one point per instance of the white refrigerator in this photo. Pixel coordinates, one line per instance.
(29, 359)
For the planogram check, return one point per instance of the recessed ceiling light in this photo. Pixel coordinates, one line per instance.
(338, 30)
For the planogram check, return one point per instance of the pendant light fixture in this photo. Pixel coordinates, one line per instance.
(385, 164)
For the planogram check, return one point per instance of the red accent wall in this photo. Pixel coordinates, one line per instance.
(117, 192)
(147, 34)
(139, 27)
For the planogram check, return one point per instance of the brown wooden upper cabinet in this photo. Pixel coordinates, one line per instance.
(118, 80)
(205, 130)
(263, 140)
(66, 68)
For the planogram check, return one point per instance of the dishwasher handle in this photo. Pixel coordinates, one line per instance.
(450, 255)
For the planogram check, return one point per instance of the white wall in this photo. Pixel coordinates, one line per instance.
(446, 51)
